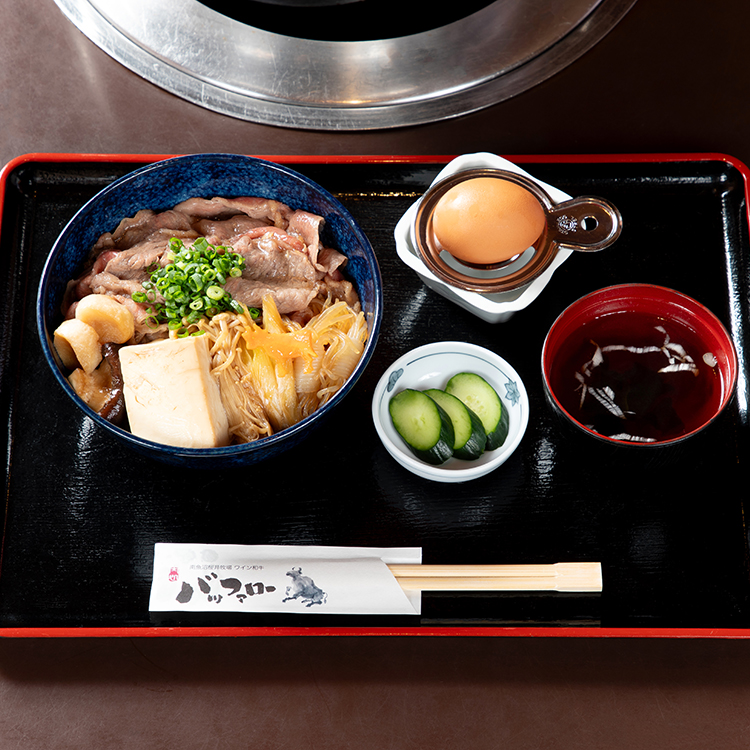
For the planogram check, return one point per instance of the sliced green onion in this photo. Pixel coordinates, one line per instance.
(191, 285)
(215, 292)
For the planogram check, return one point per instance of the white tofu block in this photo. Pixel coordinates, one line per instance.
(171, 396)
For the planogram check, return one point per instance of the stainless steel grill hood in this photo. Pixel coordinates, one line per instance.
(304, 76)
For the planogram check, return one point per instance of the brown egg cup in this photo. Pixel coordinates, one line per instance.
(585, 224)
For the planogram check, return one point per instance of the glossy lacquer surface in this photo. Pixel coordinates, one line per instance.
(83, 511)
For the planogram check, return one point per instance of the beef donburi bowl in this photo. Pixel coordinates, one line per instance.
(210, 310)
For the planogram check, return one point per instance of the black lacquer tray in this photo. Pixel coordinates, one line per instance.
(82, 512)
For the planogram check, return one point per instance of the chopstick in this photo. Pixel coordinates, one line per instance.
(552, 577)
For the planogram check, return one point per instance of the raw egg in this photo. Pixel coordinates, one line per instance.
(485, 220)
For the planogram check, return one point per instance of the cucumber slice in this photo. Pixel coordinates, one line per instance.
(483, 400)
(470, 437)
(424, 426)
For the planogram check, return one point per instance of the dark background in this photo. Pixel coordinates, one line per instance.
(671, 77)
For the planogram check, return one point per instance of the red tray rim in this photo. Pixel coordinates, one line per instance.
(421, 631)
(418, 631)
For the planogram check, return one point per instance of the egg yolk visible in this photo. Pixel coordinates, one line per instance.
(485, 220)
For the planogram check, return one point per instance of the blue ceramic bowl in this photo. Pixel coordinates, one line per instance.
(161, 186)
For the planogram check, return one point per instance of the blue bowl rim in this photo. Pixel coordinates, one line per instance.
(234, 451)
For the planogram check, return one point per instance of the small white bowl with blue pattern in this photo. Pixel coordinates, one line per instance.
(431, 366)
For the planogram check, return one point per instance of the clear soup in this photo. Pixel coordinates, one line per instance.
(637, 378)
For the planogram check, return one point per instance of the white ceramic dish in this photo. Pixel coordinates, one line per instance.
(431, 366)
(493, 308)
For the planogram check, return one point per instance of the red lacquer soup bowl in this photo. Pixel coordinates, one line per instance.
(639, 364)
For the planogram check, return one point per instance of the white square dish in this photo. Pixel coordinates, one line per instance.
(495, 307)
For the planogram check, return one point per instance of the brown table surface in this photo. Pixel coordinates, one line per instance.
(671, 77)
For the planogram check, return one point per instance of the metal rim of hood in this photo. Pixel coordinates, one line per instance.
(226, 66)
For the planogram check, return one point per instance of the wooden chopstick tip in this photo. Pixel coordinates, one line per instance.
(565, 577)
